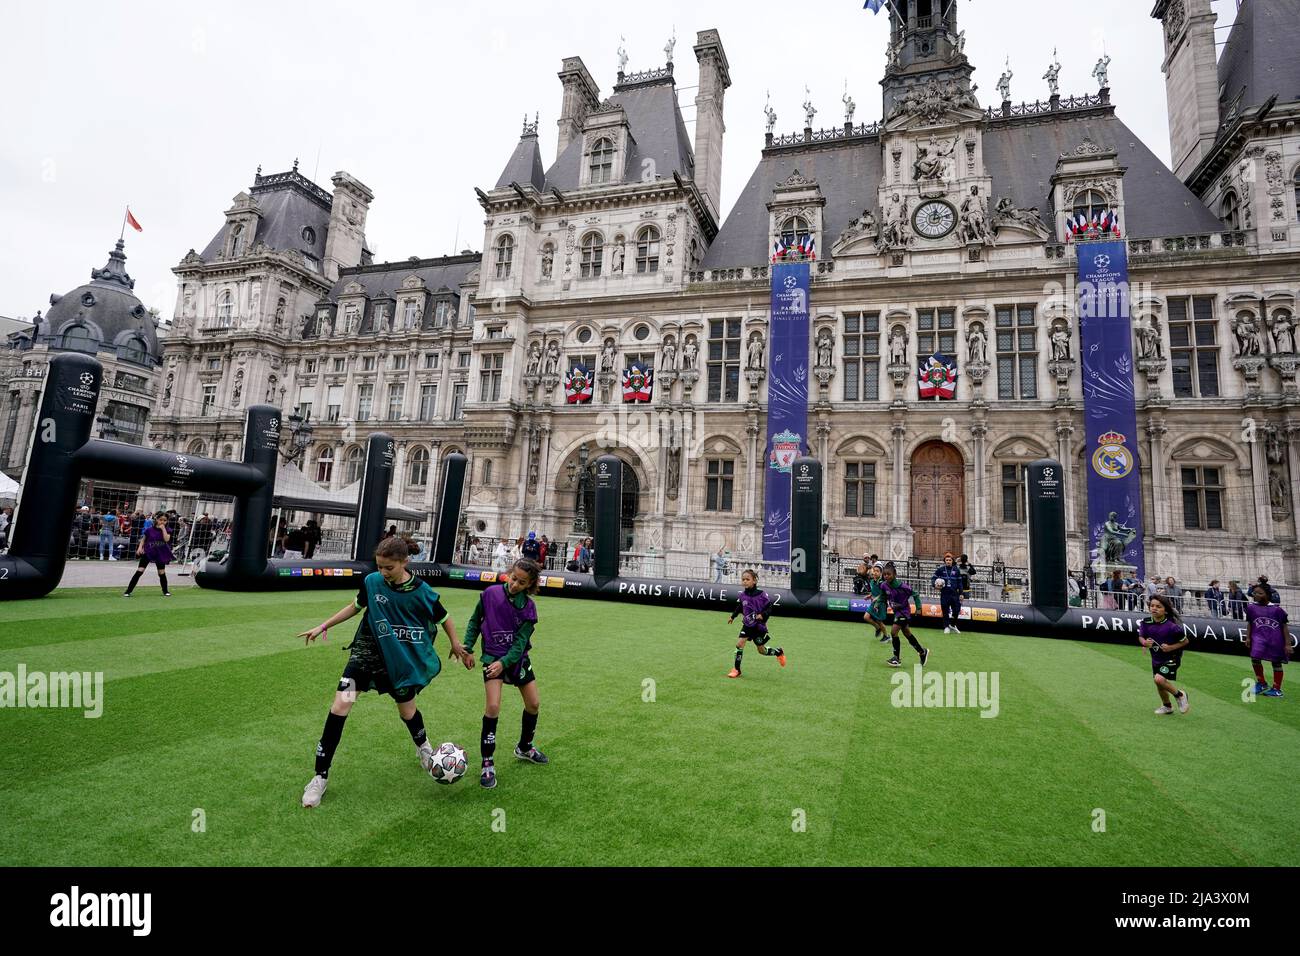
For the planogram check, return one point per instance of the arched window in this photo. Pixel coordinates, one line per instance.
(1091, 203)
(647, 250)
(225, 309)
(794, 229)
(196, 448)
(487, 470)
(593, 254)
(236, 239)
(228, 452)
(1230, 210)
(325, 466)
(80, 338)
(353, 465)
(134, 350)
(505, 255)
(601, 164)
(419, 467)
(1297, 191)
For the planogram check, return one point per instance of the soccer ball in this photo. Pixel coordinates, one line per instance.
(938, 582)
(448, 764)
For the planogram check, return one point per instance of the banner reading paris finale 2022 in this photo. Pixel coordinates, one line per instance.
(787, 401)
(1109, 406)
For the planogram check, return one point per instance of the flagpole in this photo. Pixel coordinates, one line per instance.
(121, 236)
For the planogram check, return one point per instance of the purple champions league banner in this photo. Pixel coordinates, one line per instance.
(787, 401)
(1109, 409)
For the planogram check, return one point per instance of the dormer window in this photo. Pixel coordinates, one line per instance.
(1230, 210)
(236, 240)
(1091, 203)
(647, 250)
(793, 230)
(593, 254)
(601, 162)
(440, 312)
(409, 317)
(505, 255)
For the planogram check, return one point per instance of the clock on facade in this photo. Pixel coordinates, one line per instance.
(934, 219)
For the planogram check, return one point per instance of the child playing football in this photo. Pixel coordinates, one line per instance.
(506, 617)
(1162, 634)
(900, 599)
(867, 582)
(392, 653)
(1270, 640)
(752, 606)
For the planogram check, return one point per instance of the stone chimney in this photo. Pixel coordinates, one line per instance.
(1191, 80)
(581, 96)
(715, 77)
(347, 229)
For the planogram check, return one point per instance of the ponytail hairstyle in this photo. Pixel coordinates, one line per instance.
(530, 568)
(396, 549)
(1171, 613)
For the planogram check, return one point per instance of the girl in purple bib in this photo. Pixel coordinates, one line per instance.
(505, 617)
(1270, 640)
(1162, 634)
(900, 599)
(753, 607)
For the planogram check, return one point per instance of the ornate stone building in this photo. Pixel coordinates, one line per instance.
(942, 228)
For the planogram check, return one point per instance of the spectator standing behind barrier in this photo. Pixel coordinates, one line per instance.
(516, 552)
(532, 549)
(154, 548)
(1174, 593)
(311, 538)
(500, 555)
(1236, 600)
(719, 564)
(1113, 589)
(967, 576)
(588, 554)
(544, 549)
(1214, 600)
(294, 544)
(950, 577)
(107, 534)
(6, 517)
(79, 543)
(475, 552)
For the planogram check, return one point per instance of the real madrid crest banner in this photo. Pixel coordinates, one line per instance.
(787, 401)
(1109, 407)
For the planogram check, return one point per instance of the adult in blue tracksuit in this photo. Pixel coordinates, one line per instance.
(950, 596)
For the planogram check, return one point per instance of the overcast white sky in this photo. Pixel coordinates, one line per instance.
(171, 106)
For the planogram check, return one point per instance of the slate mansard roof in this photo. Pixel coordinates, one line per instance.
(1261, 56)
(381, 282)
(290, 203)
(1019, 155)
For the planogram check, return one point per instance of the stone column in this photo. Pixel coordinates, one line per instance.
(399, 474)
(751, 502)
(525, 452)
(432, 482)
(898, 431)
(1259, 487)
(683, 483)
(544, 476)
(1156, 431)
(978, 433)
(1064, 434)
(663, 427)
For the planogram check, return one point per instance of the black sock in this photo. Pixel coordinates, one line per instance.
(529, 727)
(487, 745)
(162, 579)
(898, 647)
(135, 579)
(329, 741)
(740, 652)
(416, 728)
(915, 644)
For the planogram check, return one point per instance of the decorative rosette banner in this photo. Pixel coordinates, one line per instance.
(577, 384)
(638, 383)
(787, 401)
(1109, 406)
(937, 377)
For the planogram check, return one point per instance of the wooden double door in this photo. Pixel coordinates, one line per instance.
(938, 514)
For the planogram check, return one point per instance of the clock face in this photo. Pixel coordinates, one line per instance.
(934, 219)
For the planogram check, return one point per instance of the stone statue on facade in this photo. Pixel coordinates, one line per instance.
(770, 114)
(976, 343)
(849, 106)
(974, 219)
(607, 356)
(898, 346)
(1284, 332)
(622, 55)
(1008, 212)
(534, 359)
(809, 111)
(958, 42)
(689, 351)
(618, 257)
(895, 233)
(668, 48)
(1052, 75)
(1149, 344)
(1277, 491)
(668, 360)
(548, 260)
(756, 350)
(167, 388)
(238, 393)
(674, 469)
(1115, 539)
(1004, 83)
(553, 359)
(825, 348)
(1102, 72)
(1247, 336)
(861, 226)
(1060, 344)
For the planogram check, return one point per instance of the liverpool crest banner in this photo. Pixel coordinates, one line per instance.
(787, 401)
(1109, 407)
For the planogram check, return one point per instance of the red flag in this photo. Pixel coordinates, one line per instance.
(131, 221)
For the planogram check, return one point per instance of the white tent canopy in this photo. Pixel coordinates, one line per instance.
(296, 492)
(8, 487)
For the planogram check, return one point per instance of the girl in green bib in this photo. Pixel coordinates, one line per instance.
(392, 653)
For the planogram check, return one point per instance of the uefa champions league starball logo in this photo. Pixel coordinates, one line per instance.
(182, 461)
(1101, 262)
(275, 424)
(790, 282)
(1048, 473)
(87, 379)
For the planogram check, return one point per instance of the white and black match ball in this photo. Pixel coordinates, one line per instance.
(938, 582)
(448, 764)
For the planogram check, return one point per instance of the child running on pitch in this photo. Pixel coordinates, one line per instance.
(506, 617)
(900, 599)
(752, 606)
(1270, 640)
(1162, 634)
(392, 653)
(867, 582)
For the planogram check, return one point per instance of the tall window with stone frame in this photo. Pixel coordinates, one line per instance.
(1230, 210)
(600, 163)
(458, 392)
(303, 407)
(1091, 203)
(1017, 349)
(861, 351)
(428, 401)
(724, 360)
(440, 313)
(792, 230)
(333, 403)
(937, 332)
(409, 312)
(236, 240)
(719, 479)
(353, 465)
(365, 401)
(325, 466)
(489, 377)
(1296, 178)
(1203, 491)
(1013, 492)
(225, 309)
(419, 473)
(396, 399)
(11, 426)
(647, 250)
(505, 256)
(859, 489)
(593, 255)
(1194, 347)
(209, 400)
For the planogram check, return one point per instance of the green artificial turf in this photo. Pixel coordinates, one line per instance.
(211, 704)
